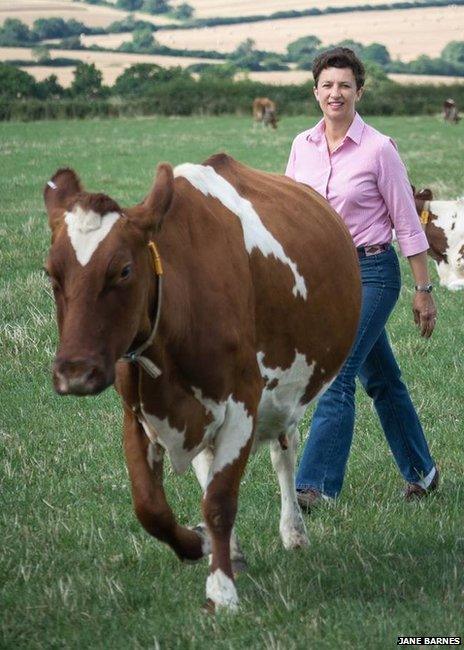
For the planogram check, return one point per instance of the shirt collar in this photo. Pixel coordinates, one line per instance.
(316, 134)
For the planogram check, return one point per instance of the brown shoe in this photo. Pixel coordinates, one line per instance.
(415, 491)
(308, 498)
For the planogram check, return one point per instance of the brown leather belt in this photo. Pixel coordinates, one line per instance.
(366, 251)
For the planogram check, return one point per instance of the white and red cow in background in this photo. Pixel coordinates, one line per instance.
(265, 112)
(249, 318)
(450, 111)
(443, 222)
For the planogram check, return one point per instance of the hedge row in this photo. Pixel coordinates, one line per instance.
(181, 97)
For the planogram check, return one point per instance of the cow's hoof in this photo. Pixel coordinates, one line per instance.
(239, 565)
(292, 539)
(221, 590)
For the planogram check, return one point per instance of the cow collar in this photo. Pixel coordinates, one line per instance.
(136, 356)
(425, 213)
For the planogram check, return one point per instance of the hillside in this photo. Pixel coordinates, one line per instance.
(406, 33)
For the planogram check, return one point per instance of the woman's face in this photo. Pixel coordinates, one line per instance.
(337, 94)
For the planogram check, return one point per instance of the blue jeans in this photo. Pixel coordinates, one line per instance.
(371, 359)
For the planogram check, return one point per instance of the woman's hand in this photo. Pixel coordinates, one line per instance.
(425, 313)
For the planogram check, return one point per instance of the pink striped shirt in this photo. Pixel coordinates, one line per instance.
(364, 180)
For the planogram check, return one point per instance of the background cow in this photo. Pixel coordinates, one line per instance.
(450, 111)
(265, 112)
(443, 222)
(248, 319)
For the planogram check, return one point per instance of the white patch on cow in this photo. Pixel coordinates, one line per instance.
(202, 465)
(233, 435)
(450, 218)
(221, 590)
(171, 439)
(205, 179)
(280, 408)
(86, 229)
(291, 527)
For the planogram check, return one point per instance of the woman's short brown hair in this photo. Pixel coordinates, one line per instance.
(339, 57)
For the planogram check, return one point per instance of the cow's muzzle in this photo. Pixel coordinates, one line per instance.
(79, 376)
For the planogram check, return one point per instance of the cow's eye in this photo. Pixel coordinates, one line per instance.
(126, 271)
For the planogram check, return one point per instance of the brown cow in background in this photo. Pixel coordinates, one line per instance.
(450, 111)
(265, 112)
(443, 223)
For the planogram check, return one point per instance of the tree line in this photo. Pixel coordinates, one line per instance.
(147, 89)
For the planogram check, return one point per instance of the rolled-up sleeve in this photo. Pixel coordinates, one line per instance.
(290, 170)
(394, 186)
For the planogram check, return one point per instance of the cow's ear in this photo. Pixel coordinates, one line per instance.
(425, 194)
(63, 185)
(158, 200)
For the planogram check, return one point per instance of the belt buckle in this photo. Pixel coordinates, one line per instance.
(373, 250)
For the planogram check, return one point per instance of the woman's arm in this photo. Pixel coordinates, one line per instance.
(424, 310)
(393, 184)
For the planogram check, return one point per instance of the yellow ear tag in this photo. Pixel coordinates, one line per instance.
(424, 217)
(156, 258)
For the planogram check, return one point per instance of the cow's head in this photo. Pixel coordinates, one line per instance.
(101, 273)
(420, 197)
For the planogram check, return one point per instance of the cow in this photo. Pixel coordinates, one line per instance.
(443, 222)
(220, 306)
(450, 111)
(264, 112)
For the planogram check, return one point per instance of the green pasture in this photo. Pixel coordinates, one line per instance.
(78, 571)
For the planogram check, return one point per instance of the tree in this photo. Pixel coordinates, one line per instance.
(15, 32)
(50, 28)
(87, 81)
(137, 79)
(15, 83)
(223, 71)
(245, 48)
(130, 5)
(183, 11)
(143, 40)
(273, 62)
(41, 53)
(49, 88)
(376, 53)
(304, 48)
(454, 52)
(156, 6)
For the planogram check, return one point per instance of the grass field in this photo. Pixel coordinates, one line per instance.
(77, 571)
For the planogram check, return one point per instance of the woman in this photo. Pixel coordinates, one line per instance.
(361, 174)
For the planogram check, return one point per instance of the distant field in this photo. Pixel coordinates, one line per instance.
(301, 76)
(406, 33)
(77, 570)
(208, 8)
(90, 15)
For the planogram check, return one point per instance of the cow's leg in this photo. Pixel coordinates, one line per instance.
(145, 464)
(231, 449)
(202, 466)
(292, 528)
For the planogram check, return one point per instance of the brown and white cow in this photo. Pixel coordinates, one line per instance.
(265, 112)
(253, 315)
(450, 111)
(443, 222)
